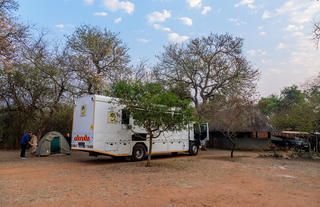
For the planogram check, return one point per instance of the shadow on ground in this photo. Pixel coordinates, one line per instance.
(107, 159)
(224, 158)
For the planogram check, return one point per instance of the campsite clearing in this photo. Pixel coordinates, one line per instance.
(209, 179)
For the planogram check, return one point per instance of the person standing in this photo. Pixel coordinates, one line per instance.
(24, 142)
(34, 142)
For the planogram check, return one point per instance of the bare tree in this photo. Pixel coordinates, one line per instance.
(142, 72)
(231, 114)
(37, 83)
(316, 33)
(11, 33)
(98, 57)
(209, 66)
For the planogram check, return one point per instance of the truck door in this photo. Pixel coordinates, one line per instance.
(204, 132)
(201, 132)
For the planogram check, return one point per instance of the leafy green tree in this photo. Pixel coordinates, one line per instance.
(312, 91)
(269, 105)
(210, 66)
(153, 109)
(181, 90)
(97, 57)
(297, 117)
(291, 96)
(288, 109)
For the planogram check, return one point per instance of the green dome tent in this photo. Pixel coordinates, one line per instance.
(53, 143)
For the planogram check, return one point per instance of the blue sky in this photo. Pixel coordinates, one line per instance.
(277, 33)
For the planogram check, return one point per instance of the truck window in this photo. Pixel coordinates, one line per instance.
(125, 117)
(139, 137)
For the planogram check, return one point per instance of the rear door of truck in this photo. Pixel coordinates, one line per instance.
(83, 123)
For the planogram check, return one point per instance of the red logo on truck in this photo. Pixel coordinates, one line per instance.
(81, 139)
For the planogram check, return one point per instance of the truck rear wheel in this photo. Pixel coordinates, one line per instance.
(193, 149)
(139, 152)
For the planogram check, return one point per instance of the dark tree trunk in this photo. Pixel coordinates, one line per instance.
(233, 143)
(150, 152)
(232, 150)
(309, 147)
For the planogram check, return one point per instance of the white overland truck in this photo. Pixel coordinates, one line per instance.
(100, 127)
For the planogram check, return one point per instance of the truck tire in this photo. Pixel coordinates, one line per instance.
(193, 149)
(138, 152)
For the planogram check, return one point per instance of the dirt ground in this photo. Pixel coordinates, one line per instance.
(209, 179)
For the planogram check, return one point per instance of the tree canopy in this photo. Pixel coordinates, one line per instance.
(295, 109)
(98, 57)
(209, 66)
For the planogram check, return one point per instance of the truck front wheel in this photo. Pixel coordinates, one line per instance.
(139, 152)
(193, 149)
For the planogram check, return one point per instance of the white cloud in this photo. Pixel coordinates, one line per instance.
(89, 1)
(206, 9)
(302, 60)
(143, 40)
(262, 52)
(266, 14)
(262, 33)
(60, 26)
(117, 20)
(298, 34)
(305, 14)
(281, 46)
(64, 26)
(194, 3)
(300, 11)
(290, 6)
(246, 2)
(275, 70)
(158, 16)
(237, 21)
(292, 27)
(305, 57)
(258, 52)
(260, 27)
(159, 27)
(251, 52)
(115, 5)
(174, 37)
(100, 14)
(186, 20)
